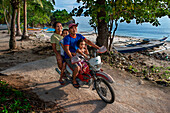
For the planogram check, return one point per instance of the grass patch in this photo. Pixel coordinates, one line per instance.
(132, 69)
(12, 100)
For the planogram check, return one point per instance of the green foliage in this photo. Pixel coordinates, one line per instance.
(38, 11)
(5, 11)
(155, 69)
(166, 74)
(39, 14)
(145, 72)
(62, 16)
(123, 11)
(168, 68)
(132, 69)
(14, 97)
(126, 10)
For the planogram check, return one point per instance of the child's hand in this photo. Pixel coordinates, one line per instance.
(87, 57)
(74, 54)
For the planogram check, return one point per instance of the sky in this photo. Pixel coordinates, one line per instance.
(66, 4)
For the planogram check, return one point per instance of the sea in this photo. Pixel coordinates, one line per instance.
(144, 30)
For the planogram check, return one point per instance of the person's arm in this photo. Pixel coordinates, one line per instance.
(86, 51)
(74, 54)
(66, 48)
(62, 46)
(79, 51)
(91, 44)
(54, 49)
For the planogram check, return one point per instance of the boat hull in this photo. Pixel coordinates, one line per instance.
(137, 48)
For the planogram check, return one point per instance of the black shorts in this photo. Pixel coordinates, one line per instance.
(63, 59)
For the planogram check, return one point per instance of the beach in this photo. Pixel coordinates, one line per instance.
(92, 37)
(39, 47)
(32, 67)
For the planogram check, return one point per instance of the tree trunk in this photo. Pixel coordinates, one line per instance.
(9, 16)
(8, 26)
(12, 41)
(112, 37)
(102, 38)
(19, 33)
(25, 33)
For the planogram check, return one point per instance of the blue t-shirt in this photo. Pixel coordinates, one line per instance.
(72, 43)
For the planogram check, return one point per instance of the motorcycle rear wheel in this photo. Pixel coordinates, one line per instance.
(104, 89)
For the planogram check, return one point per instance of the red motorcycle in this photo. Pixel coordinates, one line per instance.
(92, 74)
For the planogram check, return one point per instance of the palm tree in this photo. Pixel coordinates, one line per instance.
(12, 41)
(25, 33)
(6, 6)
(18, 32)
(14, 4)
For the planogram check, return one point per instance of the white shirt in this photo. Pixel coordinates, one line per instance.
(61, 49)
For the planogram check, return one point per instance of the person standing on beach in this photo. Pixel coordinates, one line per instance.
(55, 39)
(70, 46)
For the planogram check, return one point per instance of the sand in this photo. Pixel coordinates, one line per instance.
(39, 47)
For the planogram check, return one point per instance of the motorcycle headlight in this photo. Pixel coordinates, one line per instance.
(98, 66)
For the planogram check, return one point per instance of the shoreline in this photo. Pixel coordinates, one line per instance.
(93, 33)
(43, 36)
(121, 36)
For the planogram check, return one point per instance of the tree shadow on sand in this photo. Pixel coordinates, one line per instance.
(100, 105)
(60, 96)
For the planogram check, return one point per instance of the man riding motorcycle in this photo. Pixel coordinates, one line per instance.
(70, 45)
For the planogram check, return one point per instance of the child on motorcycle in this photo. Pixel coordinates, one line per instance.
(82, 48)
(64, 33)
(82, 51)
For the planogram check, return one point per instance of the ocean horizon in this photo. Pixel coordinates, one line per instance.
(132, 29)
(145, 30)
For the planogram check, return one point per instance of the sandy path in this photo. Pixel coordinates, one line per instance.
(132, 94)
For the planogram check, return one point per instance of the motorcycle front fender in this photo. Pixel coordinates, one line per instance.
(105, 76)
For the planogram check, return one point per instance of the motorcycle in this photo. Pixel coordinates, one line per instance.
(92, 74)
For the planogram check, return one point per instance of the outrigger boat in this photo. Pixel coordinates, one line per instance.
(140, 46)
(32, 29)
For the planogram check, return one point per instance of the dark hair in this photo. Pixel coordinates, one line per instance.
(54, 25)
(78, 42)
(64, 30)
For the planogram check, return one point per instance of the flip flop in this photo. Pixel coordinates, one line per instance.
(76, 85)
(65, 78)
(61, 82)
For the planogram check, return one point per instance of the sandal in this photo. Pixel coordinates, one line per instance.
(65, 78)
(76, 85)
(61, 82)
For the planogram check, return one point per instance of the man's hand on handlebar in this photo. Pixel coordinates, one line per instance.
(102, 49)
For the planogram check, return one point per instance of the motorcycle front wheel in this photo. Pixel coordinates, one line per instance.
(104, 90)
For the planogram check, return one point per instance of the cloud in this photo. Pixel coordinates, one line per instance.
(66, 4)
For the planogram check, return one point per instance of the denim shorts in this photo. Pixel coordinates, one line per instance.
(72, 66)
